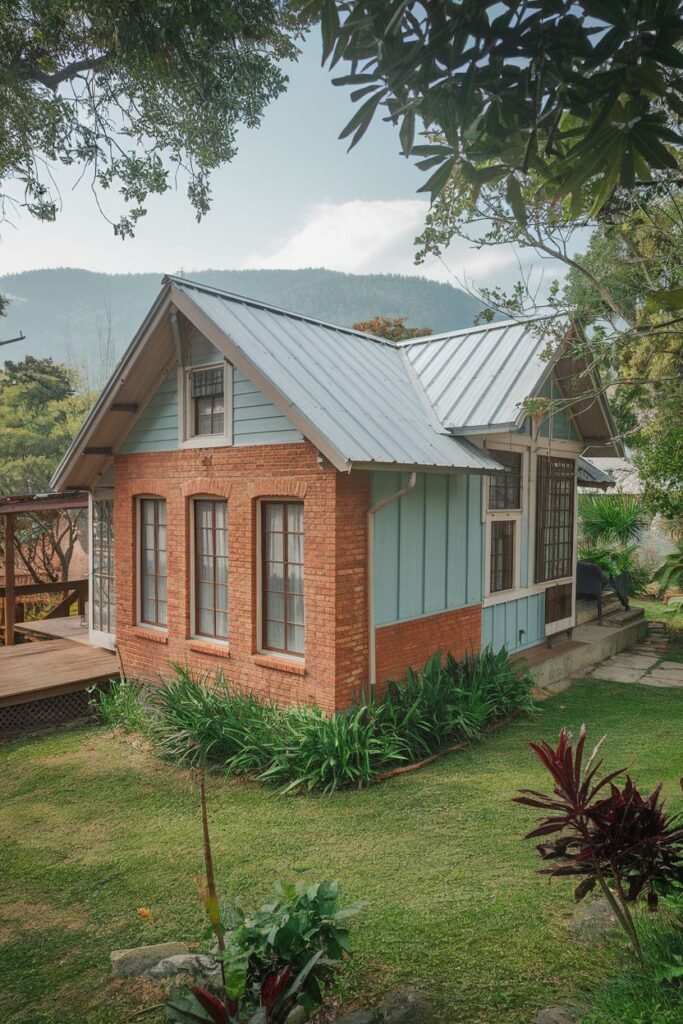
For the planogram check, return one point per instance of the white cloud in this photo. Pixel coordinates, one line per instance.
(360, 236)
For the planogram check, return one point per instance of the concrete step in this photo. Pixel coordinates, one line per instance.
(592, 644)
(623, 617)
(587, 610)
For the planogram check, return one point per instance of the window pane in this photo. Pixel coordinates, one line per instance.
(295, 609)
(221, 625)
(211, 569)
(275, 576)
(505, 488)
(274, 547)
(554, 518)
(502, 556)
(295, 638)
(205, 622)
(295, 517)
(275, 607)
(152, 561)
(273, 517)
(295, 547)
(275, 635)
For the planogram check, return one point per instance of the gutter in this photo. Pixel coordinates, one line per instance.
(372, 644)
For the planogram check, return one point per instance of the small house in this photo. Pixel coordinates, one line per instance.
(312, 510)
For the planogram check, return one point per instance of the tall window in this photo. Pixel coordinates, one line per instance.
(207, 401)
(502, 555)
(153, 564)
(555, 496)
(282, 585)
(211, 568)
(504, 513)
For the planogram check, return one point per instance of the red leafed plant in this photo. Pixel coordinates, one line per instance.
(605, 832)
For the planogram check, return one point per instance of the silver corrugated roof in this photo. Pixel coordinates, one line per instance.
(590, 475)
(357, 392)
(477, 379)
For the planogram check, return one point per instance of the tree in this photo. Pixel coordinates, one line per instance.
(40, 412)
(391, 327)
(584, 96)
(132, 93)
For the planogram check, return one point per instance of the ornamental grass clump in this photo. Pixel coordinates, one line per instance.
(609, 835)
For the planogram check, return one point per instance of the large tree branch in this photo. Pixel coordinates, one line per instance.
(65, 74)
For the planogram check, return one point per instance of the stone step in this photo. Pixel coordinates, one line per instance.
(623, 617)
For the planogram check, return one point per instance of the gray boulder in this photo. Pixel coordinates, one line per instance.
(297, 1015)
(189, 969)
(128, 963)
(592, 920)
(405, 1006)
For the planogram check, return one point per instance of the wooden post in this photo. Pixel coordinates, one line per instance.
(9, 580)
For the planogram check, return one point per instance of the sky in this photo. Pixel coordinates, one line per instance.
(292, 197)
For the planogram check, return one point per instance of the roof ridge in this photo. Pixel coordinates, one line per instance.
(247, 301)
(474, 329)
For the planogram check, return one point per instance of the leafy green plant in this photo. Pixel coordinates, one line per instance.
(121, 704)
(617, 561)
(669, 576)
(606, 519)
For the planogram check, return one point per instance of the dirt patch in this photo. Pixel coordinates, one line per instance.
(18, 918)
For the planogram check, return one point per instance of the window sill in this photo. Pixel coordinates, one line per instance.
(157, 636)
(206, 647)
(297, 668)
(206, 441)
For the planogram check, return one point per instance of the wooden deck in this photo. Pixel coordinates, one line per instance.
(50, 668)
(68, 627)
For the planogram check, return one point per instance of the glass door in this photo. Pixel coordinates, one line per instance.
(102, 593)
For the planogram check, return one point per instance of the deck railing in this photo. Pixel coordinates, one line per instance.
(73, 591)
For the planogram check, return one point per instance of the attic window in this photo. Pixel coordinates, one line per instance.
(206, 411)
(207, 390)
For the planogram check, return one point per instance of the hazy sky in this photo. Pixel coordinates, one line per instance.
(293, 197)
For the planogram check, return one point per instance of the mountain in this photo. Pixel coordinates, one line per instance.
(75, 315)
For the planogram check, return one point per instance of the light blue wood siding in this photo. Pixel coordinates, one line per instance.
(501, 623)
(256, 420)
(157, 428)
(428, 546)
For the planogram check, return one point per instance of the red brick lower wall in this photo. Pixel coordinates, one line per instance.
(404, 645)
(335, 509)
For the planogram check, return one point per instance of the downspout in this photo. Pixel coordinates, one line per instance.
(372, 648)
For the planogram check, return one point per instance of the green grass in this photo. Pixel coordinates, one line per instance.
(92, 827)
(657, 611)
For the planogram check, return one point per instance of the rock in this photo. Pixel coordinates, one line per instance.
(136, 961)
(405, 1006)
(357, 1017)
(592, 920)
(189, 969)
(297, 1015)
(559, 1015)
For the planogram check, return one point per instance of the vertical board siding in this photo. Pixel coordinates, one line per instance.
(428, 546)
(501, 623)
(256, 420)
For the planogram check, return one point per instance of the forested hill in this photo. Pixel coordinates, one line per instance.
(66, 313)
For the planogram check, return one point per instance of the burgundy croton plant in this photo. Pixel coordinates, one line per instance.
(607, 833)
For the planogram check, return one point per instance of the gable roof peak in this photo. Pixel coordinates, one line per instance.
(269, 307)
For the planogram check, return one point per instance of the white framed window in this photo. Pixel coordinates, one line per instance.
(210, 569)
(152, 563)
(205, 407)
(505, 495)
(281, 613)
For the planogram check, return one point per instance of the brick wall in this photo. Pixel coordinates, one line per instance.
(336, 612)
(403, 645)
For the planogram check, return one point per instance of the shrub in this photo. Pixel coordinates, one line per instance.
(197, 720)
(606, 519)
(669, 576)
(618, 561)
(121, 704)
(604, 833)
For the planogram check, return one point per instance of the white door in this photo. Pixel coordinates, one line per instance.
(102, 594)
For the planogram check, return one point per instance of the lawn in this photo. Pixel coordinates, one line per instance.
(92, 827)
(657, 611)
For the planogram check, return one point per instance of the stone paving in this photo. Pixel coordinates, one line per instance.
(646, 663)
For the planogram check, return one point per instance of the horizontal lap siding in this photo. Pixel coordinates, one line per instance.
(428, 546)
(501, 623)
(256, 420)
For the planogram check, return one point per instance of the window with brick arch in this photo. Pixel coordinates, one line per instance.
(282, 577)
(211, 568)
(153, 567)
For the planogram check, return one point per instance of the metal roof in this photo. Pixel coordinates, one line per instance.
(477, 379)
(339, 386)
(590, 475)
